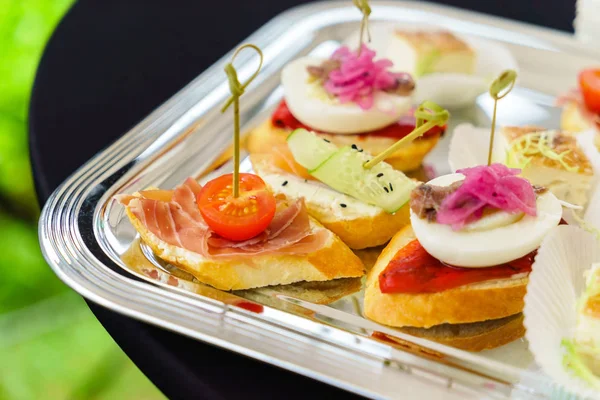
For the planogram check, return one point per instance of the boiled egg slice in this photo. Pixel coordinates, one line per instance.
(506, 237)
(313, 106)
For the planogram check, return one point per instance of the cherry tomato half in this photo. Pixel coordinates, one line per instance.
(238, 218)
(589, 81)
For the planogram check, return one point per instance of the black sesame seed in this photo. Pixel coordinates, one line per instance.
(386, 189)
(360, 150)
(306, 180)
(342, 205)
(327, 140)
(379, 175)
(354, 147)
(391, 187)
(284, 183)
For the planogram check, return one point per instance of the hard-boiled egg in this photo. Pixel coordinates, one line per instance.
(506, 239)
(312, 106)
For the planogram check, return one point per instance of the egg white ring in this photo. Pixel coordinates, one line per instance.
(487, 248)
(330, 116)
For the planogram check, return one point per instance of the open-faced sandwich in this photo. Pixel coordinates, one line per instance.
(354, 194)
(350, 98)
(549, 158)
(234, 233)
(581, 107)
(365, 208)
(458, 274)
(253, 240)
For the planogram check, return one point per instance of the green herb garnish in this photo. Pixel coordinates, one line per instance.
(523, 149)
(573, 361)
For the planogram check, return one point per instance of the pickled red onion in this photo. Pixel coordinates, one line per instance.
(359, 77)
(495, 186)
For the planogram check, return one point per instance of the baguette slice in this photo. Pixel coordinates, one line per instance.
(359, 225)
(465, 304)
(408, 158)
(335, 260)
(476, 336)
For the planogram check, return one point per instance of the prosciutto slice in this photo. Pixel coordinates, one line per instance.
(174, 217)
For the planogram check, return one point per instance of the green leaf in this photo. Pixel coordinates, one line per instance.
(26, 277)
(25, 26)
(16, 180)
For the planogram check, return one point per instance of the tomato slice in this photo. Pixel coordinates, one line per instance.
(589, 81)
(240, 218)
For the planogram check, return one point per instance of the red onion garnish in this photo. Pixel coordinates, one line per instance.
(359, 77)
(493, 187)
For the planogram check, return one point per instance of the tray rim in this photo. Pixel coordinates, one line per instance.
(62, 264)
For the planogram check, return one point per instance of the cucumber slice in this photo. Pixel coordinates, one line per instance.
(381, 185)
(308, 149)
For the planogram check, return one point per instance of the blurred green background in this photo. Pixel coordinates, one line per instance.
(51, 346)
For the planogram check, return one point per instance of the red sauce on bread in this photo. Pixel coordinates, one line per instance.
(283, 118)
(413, 270)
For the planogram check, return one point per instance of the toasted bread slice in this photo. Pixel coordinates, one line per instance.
(425, 52)
(476, 336)
(410, 157)
(334, 260)
(359, 225)
(465, 304)
(569, 179)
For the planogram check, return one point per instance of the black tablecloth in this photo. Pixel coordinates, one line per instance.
(110, 63)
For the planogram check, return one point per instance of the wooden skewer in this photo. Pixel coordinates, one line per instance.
(237, 90)
(505, 82)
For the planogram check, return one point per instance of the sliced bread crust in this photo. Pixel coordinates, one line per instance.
(333, 261)
(464, 304)
(410, 157)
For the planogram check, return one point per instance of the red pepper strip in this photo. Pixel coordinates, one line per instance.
(413, 270)
(283, 118)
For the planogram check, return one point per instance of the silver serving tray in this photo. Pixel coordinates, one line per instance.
(88, 241)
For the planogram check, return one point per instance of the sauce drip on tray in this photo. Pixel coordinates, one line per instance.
(413, 270)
